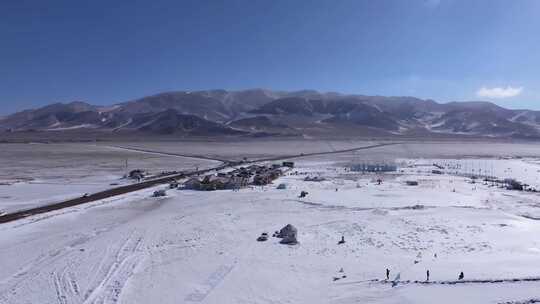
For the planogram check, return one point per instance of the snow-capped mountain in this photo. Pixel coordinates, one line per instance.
(300, 113)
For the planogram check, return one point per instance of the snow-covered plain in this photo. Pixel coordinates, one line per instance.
(237, 150)
(200, 247)
(38, 174)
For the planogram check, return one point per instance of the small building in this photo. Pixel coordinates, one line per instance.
(211, 182)
(137, 174)
(264, 177)
(289, 164)
(193, 184)
(261, 179)
(236, 182)
(512, 184)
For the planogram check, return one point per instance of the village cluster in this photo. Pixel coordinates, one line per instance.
(260, 175)
(253, 175)
(257, 175)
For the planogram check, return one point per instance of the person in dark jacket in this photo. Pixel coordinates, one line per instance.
(387, 274)
(461, 275)
(427, 275)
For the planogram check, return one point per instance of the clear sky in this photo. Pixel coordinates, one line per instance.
(110, 51)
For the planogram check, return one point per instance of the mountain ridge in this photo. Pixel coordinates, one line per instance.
(306, 113)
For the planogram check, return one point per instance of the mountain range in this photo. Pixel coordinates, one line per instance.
(260, 112)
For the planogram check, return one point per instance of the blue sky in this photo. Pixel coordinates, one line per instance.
(110, 51)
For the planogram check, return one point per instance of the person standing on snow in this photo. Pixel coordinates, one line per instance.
(461, 276)
(387, 274)
(427, 275)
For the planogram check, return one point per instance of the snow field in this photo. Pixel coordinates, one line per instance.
(199, 247)
(38, 174)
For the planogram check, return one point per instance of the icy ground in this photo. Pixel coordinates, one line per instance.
(200, 247)
(38, 174)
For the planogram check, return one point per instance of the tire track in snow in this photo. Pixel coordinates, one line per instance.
(211, 282)
(65, 285)
(73, 283)
(42, 268)
(59, 288)
(31, 272)
(126, 259)
(342, 207)
(409, 207)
